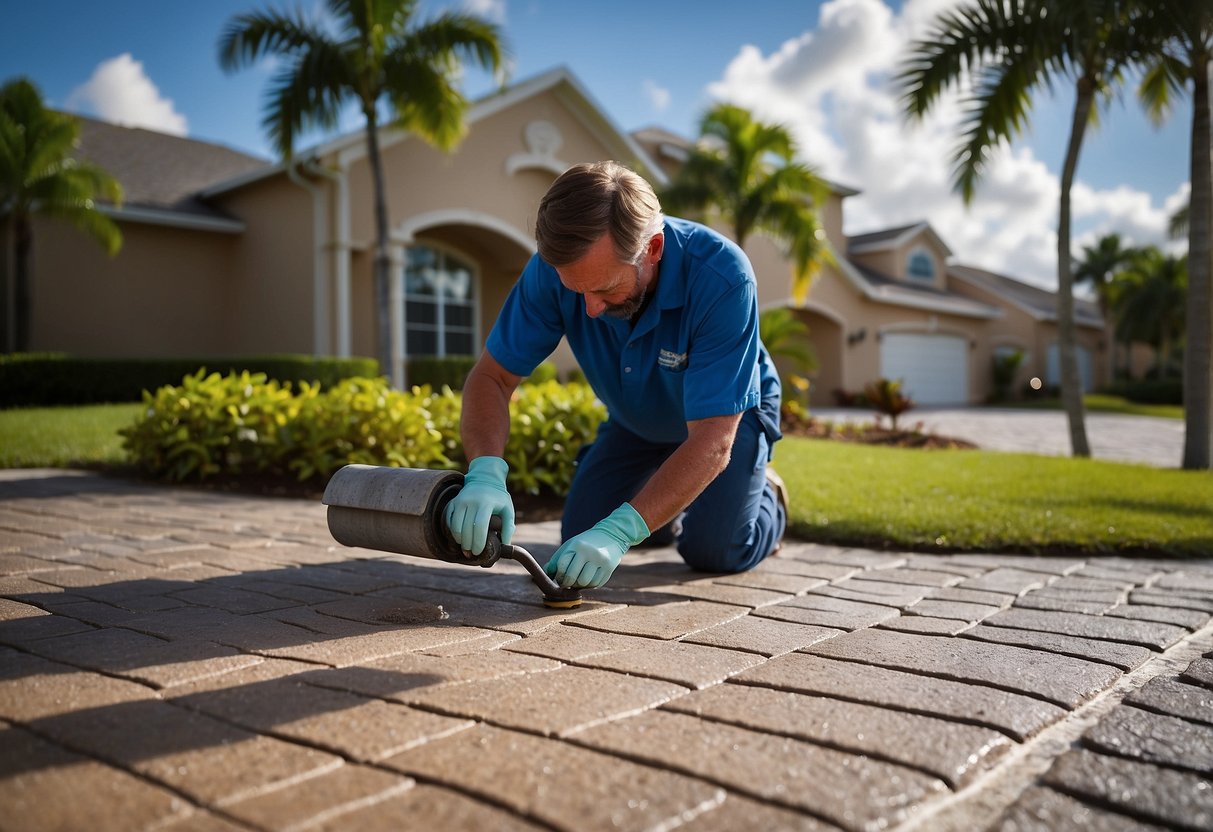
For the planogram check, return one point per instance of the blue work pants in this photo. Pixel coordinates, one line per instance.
(730, 527)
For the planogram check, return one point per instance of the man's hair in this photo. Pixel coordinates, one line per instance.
(589, 200)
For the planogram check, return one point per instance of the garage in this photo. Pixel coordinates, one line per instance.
(1053, 367)
(933, 369)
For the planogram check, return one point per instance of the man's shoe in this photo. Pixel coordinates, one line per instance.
(781, 492)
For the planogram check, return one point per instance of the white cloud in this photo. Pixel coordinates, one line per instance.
(493, 10)
(119, 91)
(658, 96)
(832, 87)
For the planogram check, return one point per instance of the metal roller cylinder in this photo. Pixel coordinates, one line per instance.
(393, 509)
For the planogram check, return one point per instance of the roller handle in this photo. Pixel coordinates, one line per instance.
(494, 550)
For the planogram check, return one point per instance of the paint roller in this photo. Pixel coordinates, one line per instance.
(400, 510)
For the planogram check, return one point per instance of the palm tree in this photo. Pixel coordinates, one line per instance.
(743, 172)
(1099, 264)
(786, 336)
(40, 177)
(1149, 299)
(379, 55)
(1014, 48)
(1183, 32)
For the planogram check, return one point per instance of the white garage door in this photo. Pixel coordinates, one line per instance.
(934, 369)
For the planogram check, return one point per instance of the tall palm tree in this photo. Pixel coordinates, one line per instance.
(1183, 32)
(39, 176)
(1013, 49)
(743, 172)
(380, 55)
(1099, 264)
(1149, 298)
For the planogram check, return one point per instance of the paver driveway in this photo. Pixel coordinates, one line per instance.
(179, 659)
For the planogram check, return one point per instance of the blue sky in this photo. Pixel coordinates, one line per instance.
(822, 68)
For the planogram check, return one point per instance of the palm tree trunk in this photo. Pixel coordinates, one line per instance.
(382, 267)
(1198, 353)
(1071, 383)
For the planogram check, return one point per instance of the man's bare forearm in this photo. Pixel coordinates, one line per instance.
(688, 471)
(485, 420)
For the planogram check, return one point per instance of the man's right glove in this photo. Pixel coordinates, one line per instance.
(588, 560)
(482, 497)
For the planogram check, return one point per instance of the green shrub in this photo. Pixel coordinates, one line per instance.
(549, 423)
(1151, 391)
(885, 396)
(211, 424)
(542, 374)
(49, 379)
(438, 372)
(365, 421)
(244, 424)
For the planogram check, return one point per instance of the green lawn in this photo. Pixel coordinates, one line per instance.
(849, 494)
(61, 437)
(984, 500)
(1101, 403)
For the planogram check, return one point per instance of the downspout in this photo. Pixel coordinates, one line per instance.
(320, 329)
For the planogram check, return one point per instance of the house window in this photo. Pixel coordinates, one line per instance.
(439, 303)
(921, 265)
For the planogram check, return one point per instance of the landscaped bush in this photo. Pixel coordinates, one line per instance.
(51, 379)
(440, 371)
(885, 396)
(212, 424)
(1151, 391)
(549, 423)
(366, 421)
(244, 424)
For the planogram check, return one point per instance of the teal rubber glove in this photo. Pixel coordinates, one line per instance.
(482, 497)
(589, 559)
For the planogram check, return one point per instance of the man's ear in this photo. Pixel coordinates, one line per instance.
(656, 247)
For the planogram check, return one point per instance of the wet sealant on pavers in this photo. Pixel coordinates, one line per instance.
(183, 659)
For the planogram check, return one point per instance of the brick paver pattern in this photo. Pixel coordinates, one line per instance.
(185, 659)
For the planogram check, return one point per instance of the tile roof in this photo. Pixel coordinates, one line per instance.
(884, 235)
(1040, 302)
(161, 171)
(890, 289)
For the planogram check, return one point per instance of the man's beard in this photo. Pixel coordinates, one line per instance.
(628, 308)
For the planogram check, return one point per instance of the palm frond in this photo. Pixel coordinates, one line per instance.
(248, 37)
(997, 112)
(463, 35)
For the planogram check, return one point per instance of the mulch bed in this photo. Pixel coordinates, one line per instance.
(872, 434)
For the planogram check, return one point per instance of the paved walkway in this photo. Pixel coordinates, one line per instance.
(174, 659)
(1148, 440)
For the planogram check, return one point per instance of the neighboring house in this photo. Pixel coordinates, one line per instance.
(226, 254)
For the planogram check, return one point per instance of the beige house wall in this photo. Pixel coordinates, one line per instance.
(166, 293)
(466, 201)
(271, 307)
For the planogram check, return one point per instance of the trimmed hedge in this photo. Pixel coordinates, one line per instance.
(50, 379)
(1151, 391)
(244, 424)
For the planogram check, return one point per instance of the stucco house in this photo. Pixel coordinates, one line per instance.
(227, 254)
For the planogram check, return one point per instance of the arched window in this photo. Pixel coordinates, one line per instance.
(439, 303)
(921, 265)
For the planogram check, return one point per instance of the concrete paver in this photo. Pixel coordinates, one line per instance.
(182, 659)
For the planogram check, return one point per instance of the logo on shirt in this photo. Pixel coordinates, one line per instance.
(672, 360)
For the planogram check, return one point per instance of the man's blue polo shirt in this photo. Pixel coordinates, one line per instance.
(694, 353)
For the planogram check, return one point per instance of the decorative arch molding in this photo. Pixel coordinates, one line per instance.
(543, 141)
(406, 232)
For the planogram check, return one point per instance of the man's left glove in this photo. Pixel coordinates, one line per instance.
(588, 559)
(483, 495)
